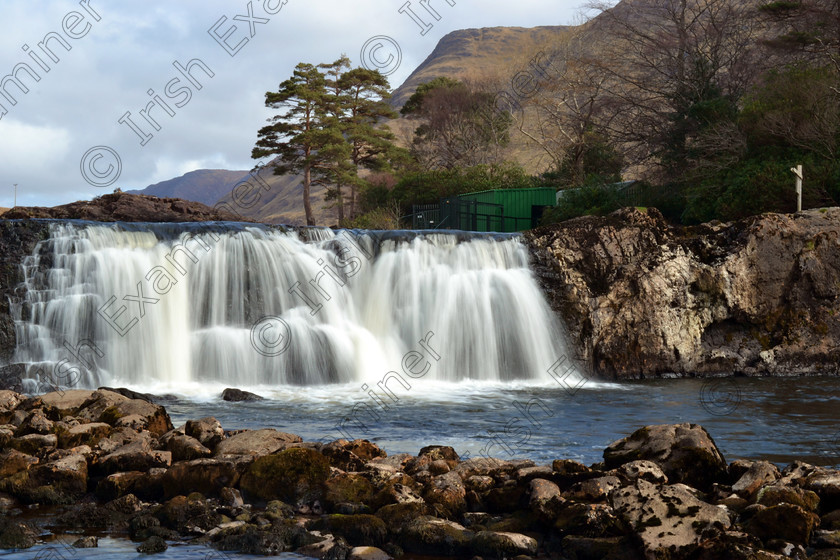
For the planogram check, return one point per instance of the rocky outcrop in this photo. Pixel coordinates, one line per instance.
(642, 298)
(124, 207)
(663, 492)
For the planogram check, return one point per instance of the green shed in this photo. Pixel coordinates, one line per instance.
(520, 209)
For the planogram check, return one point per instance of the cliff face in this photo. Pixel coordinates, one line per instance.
(17, 240)
(642, 299)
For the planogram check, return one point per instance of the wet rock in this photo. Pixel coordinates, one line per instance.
(208, 431)
(368, 553)
(292, 475)
(666, 518)
(785, 521)
(685, 452)
(358, 530)
(268, 541)
(129, 394)
(207, 476)
(152, 545)
(135, 456)
(759, 474)
(482, 466)
(826, 484)
(86, 542)
(14, 534)
(66, 477)
(142, 527)
(188, 514)
(503, 545)
(436, 537)
(230, 497)
(394, 491)
(9, 400)
(255, 442)
(237, 395)
(331, 548)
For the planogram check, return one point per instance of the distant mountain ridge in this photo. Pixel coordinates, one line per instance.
(206, 186)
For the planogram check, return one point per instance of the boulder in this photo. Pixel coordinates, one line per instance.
(826, 484)
(118, 484)
(67, 403)
(153, 545)
(593, 490)
(666, 519)
(255, 442)
(785, 521)
(135, 456)
(588, 520)
(645, 470)
(347, 488)
(236, 395)
(207, 476)
(208, 431)
(760, 473)
(35, 423)
(358, 530)
(292, 475)
(331, 548)
(775, 495)
(368, 553)
(13, 462)
(84, 434)
(15, 534)
(183, 447)
(353, 455)
(685, 452)
(436, 537)
(503, 545)
(119, 411)
(447, 495)
(33, 444)
(545, 499)
(86, 542)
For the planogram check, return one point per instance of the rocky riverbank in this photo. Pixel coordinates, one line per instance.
(114, 464)
(642, 298)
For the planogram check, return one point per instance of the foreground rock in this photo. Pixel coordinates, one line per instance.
(664, 492)
(642, 298)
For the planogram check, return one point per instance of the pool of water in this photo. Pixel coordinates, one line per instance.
(778, 419)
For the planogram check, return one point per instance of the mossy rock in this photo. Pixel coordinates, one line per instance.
(774, 495)
(293, 475)
(358, 530)
(397, 516)
(348, 488)
(110, 415)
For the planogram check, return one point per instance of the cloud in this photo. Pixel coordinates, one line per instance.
(132, 48)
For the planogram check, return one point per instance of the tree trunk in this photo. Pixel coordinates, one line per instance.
(307, 183)
(340, 205)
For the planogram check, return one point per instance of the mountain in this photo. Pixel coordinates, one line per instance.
(205, 185)
(276, 199)
(479, 54)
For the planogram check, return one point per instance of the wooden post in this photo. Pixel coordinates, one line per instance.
(798, 172)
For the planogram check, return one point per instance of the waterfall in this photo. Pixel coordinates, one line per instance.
(173, 304)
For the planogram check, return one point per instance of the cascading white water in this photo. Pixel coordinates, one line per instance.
(171, 305)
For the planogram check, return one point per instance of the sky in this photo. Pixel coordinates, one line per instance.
(203, 65)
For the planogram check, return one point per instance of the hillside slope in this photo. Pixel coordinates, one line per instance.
(204, 185)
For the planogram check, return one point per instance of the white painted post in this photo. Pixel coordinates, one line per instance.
(798, 172)
(15, 206)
